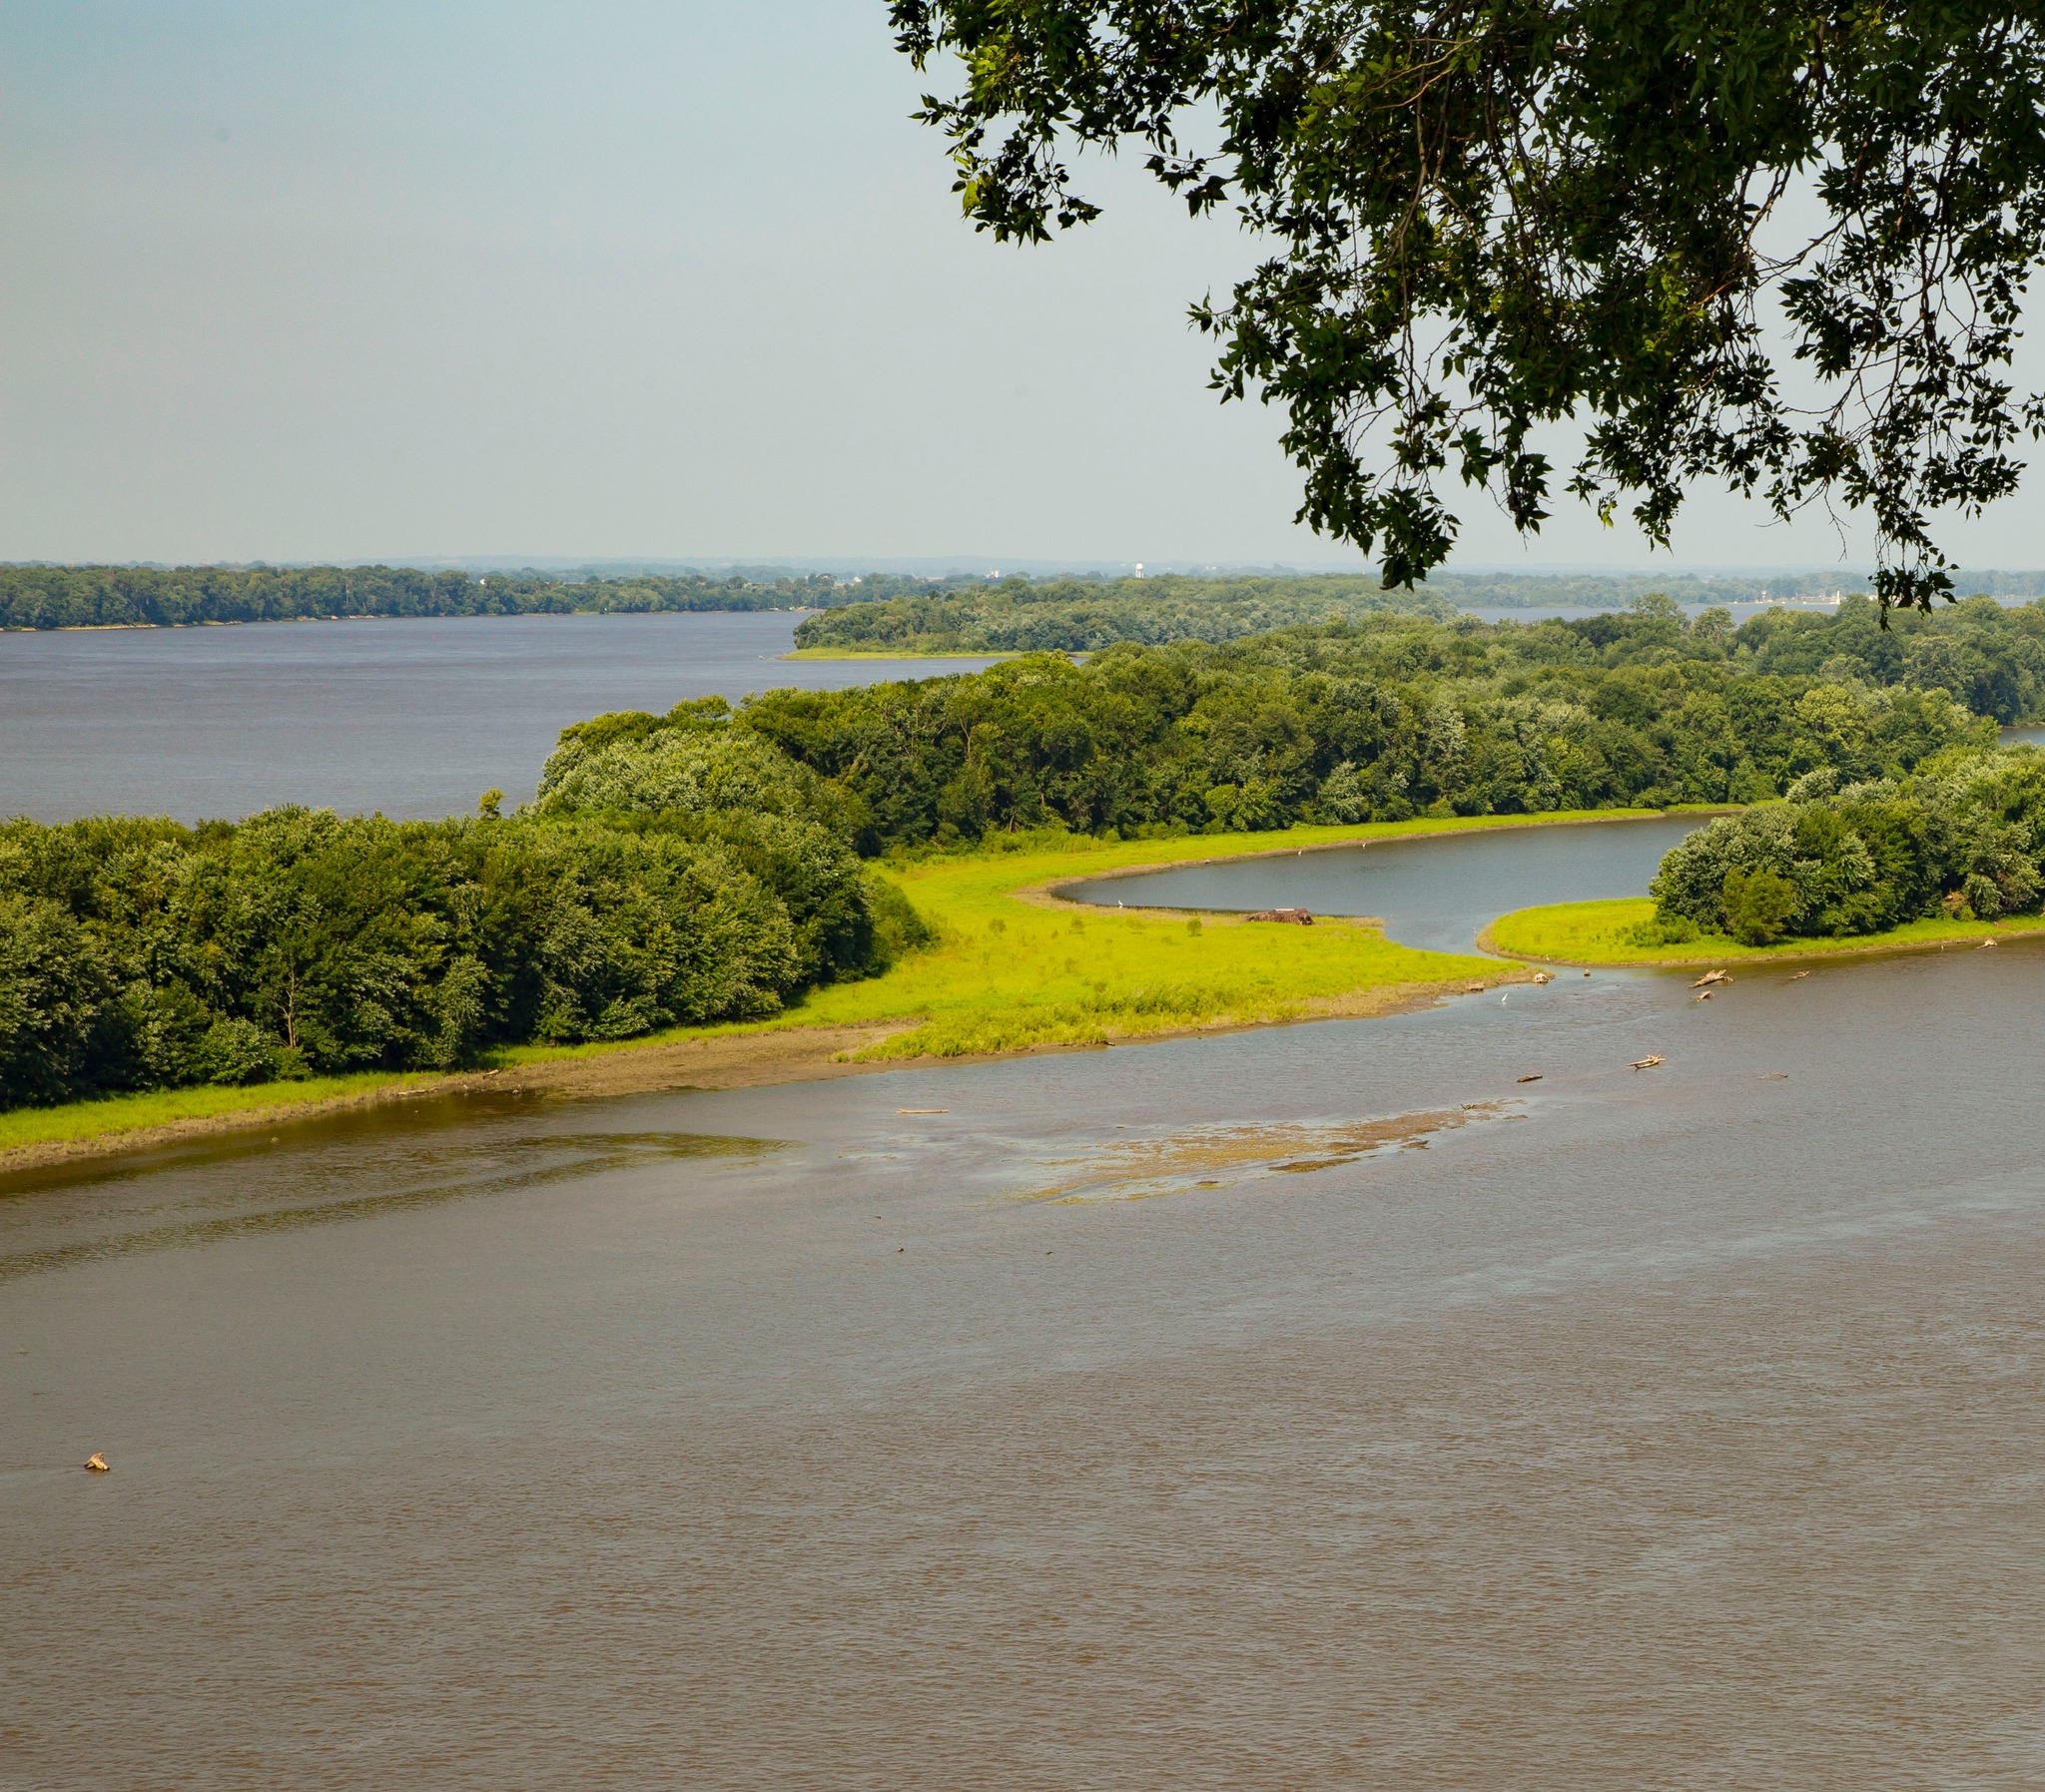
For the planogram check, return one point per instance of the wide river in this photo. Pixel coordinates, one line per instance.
(412, 718)
(1137, 1419)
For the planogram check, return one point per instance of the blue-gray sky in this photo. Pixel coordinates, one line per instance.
(628, 278)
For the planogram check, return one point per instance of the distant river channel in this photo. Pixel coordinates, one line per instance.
(415, 717)
(1318, 1407)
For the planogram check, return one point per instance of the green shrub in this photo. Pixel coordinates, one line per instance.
(1759, 906)
(1662, 928)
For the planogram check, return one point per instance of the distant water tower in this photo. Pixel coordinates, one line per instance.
(1139, 569)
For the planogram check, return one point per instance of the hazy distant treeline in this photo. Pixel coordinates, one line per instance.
(956, 614)
(1084, 616)
(46, 597)
(1542, 591)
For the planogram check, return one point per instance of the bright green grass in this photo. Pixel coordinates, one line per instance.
(1598, 933)
(160, 1107)
(1010, 968)
(1009, 971)
(1036, 979)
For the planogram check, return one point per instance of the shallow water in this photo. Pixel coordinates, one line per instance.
(412, 718)
(1371, 1417)
(1438, 893)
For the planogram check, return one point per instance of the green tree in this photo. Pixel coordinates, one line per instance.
(1759, 905)
(1489, 217)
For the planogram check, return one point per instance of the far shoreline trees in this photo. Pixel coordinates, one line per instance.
(52, 597)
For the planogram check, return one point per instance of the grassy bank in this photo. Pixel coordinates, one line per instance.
(165, 1107)
(1599, 933)
(1012, 968)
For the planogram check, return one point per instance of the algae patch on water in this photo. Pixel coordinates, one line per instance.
(1211, 1157)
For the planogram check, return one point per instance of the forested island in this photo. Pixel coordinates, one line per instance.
(705, 864)
(1068, 616)
(1084, 616)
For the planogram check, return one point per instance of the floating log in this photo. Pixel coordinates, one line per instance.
(1536, 1078)
(98, 1464)
(1645, 1063)
(1709, 977)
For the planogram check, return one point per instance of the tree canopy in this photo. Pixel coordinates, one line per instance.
(1071, 615)
(1379, 719)
(1779, 242)
(1962, 838)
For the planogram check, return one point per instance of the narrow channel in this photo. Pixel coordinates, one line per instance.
(1435, 892)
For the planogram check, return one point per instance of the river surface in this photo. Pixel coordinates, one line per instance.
(1140, 1419)
(415, 717)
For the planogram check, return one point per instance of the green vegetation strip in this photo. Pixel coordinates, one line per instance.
(1603, 933)
(1009, 972)
(80, 1120)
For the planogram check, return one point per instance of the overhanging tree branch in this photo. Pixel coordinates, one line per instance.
(1490, 215)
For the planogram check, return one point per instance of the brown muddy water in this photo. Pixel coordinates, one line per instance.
(1319, 1407)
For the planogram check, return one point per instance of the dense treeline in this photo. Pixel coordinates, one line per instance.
(47, 597)
(1063, 616)
(1385, 720)
(1076, 616)
(140, 954)
(1963, 838)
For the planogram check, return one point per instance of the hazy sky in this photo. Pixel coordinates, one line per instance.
(623, 278)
